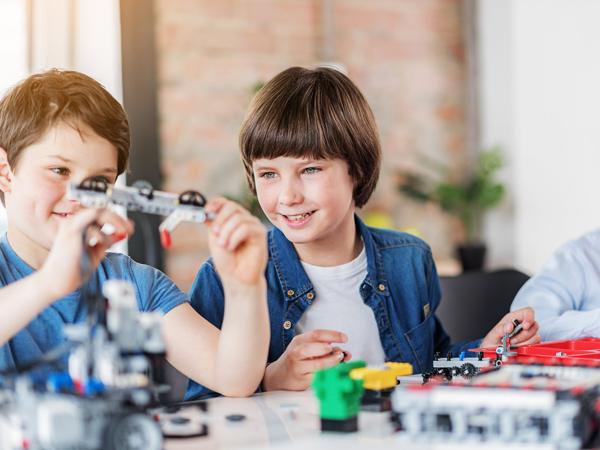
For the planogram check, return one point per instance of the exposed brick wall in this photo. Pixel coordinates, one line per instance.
(405, 55)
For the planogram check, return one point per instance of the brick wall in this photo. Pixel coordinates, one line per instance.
(406, 56)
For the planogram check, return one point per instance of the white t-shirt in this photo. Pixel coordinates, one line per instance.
(338, 306)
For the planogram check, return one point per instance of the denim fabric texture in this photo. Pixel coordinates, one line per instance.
(401, 287)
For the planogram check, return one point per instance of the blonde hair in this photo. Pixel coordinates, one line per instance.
(42, 100)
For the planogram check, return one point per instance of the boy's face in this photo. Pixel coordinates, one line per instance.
(308, 200)
(34, 191)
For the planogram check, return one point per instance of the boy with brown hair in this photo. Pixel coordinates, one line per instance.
(60, 127)
(336, 288)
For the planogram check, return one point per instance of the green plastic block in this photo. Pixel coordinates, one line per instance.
(339, 395)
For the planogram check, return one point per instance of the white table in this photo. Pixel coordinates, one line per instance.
(278, 420)
(290, 420)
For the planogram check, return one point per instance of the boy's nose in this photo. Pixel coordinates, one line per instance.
(74, 205)
(290, 194)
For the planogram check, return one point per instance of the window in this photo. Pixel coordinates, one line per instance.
(13, 53)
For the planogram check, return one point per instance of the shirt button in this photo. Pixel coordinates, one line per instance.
(287, 325)
(290, 292)
(381, 287)
(310, 296)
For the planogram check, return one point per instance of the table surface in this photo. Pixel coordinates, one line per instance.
(290, 420)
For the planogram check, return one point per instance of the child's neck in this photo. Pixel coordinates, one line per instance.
(339, 248)
(30, 252)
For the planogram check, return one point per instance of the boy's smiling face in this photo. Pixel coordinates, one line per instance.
(310, 201)
(35, 191)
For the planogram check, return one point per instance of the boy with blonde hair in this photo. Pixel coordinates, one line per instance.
(60, 127)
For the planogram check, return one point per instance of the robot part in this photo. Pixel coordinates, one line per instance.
(578, 352)
(452, 367)
(180, 424)
(95, 192)
(51, 421)
(532, 405)
(125, 351)
(114, 376)
(379, 383)
(339, 397)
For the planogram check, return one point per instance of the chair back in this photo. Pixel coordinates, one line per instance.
(473, 302)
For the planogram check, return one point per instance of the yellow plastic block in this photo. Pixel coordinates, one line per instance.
(381, 378)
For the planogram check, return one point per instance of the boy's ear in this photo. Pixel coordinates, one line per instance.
(5, 172)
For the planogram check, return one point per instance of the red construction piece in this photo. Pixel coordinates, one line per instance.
(578, 352)
(165, 238)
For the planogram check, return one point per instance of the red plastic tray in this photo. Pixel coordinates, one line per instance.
(584, 352)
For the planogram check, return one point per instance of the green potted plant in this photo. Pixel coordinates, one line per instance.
(467, 199)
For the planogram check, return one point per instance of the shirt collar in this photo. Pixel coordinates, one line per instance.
(290, 272)
(376, 277)
(17, 262)
(294, 281)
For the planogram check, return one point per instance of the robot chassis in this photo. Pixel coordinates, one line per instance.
(467, 367)
(100, 402)
(95, 192)
(545, 394)
(532, 405)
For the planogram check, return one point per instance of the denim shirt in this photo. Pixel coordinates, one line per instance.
(401, 287)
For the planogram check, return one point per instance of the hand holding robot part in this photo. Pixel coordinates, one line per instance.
(237, 243)
(307, 353)
(528, 334)
(61, 274)
(238, 246)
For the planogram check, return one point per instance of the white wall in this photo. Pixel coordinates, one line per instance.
(81, 35)
(13, 42)
(13, 54)
(540, 100)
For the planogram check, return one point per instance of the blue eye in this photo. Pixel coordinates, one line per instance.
(268, 175)
(105, 179)
(312, 170)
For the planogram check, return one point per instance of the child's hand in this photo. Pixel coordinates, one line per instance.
(529, 334)
(307, 353)
(237, 243)
(62, 268)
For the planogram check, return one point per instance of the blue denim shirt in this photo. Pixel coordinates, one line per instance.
(401, 287)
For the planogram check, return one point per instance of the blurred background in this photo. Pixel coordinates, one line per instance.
(448, 81)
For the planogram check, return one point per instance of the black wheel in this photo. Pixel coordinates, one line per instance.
(135, 431)
(468, 370)
(144, 188)
(192, 198)
(444, 372)
(95, 184)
